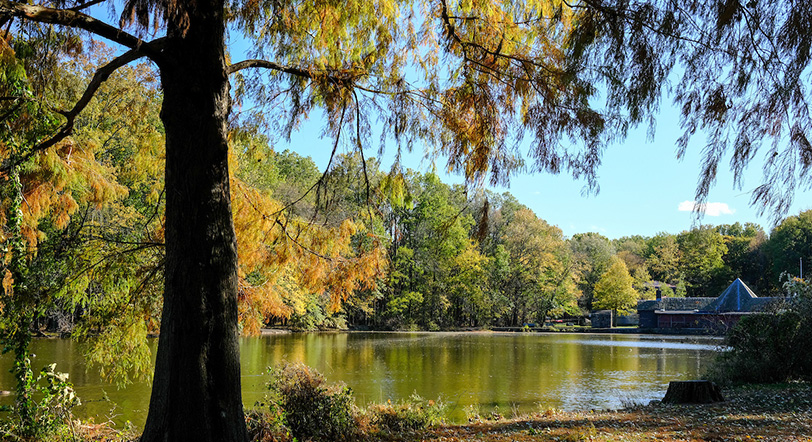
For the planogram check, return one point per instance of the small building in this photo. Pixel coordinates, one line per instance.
(709, 314)
(602, 319)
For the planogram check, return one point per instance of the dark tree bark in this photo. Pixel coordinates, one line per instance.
(196, 389)
(693, 392)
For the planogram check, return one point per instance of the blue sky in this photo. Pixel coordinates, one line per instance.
(643, 188)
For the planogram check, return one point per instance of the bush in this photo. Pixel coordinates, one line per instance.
(414, 414)
(300, 405)
(265, 427)
(46, 418)
(770, 347)
(308, 407)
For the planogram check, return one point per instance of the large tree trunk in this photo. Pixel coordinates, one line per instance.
(196, 389)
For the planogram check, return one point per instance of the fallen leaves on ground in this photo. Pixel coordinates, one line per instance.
(753, 413)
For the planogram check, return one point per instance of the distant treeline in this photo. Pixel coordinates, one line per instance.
(457, 259)
(356, 245)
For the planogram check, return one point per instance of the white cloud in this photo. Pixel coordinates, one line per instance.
(710, 209)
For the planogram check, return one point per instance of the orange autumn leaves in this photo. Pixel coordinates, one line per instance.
(286, 259)
(109, 174)
(283, 259)
(55, 184)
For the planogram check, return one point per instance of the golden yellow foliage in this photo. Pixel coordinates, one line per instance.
(8, 285)
(284, 259)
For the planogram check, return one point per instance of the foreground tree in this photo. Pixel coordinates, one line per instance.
(481, 73)
(196, 387)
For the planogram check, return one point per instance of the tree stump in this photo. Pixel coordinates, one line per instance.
(692, 392)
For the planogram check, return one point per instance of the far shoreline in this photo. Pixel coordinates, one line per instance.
(514, 330)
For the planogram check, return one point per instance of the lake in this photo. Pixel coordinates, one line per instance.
(521, 372)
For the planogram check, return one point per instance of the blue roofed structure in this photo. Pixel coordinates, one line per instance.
(737, 297)
(712, 314)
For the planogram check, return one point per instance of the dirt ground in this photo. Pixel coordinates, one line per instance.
(752, 413)
(774, 413)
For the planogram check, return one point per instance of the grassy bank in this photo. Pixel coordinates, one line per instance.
(760, 413)
(770, 413)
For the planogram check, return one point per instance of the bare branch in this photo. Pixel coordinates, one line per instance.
(361, 150)
(345, 78)
(304, 247)
(73, 19)
(86, 5)
(245, 64)
(474, 17)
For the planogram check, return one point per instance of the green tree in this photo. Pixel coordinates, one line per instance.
(746, 257)
(790, 242)
(702, 251)
(614, 290)
(538, 278)
(681, 290)
(467, 285)
(667, 292)
(592, 254)
(634, 245)
(631, 250)
(663, 257)
(430, 245)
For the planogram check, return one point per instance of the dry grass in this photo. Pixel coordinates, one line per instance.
(752, 413)
(760, 413)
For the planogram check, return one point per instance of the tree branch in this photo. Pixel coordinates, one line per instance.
(361, 150)
(101, 75)
(345, 78)
(304, 247)
(86, 5)
(245, 64)
(73, 19)
(497, 74)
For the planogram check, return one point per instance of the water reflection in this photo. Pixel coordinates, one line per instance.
(521, 372)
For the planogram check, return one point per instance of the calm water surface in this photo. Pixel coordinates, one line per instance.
(521, 371)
